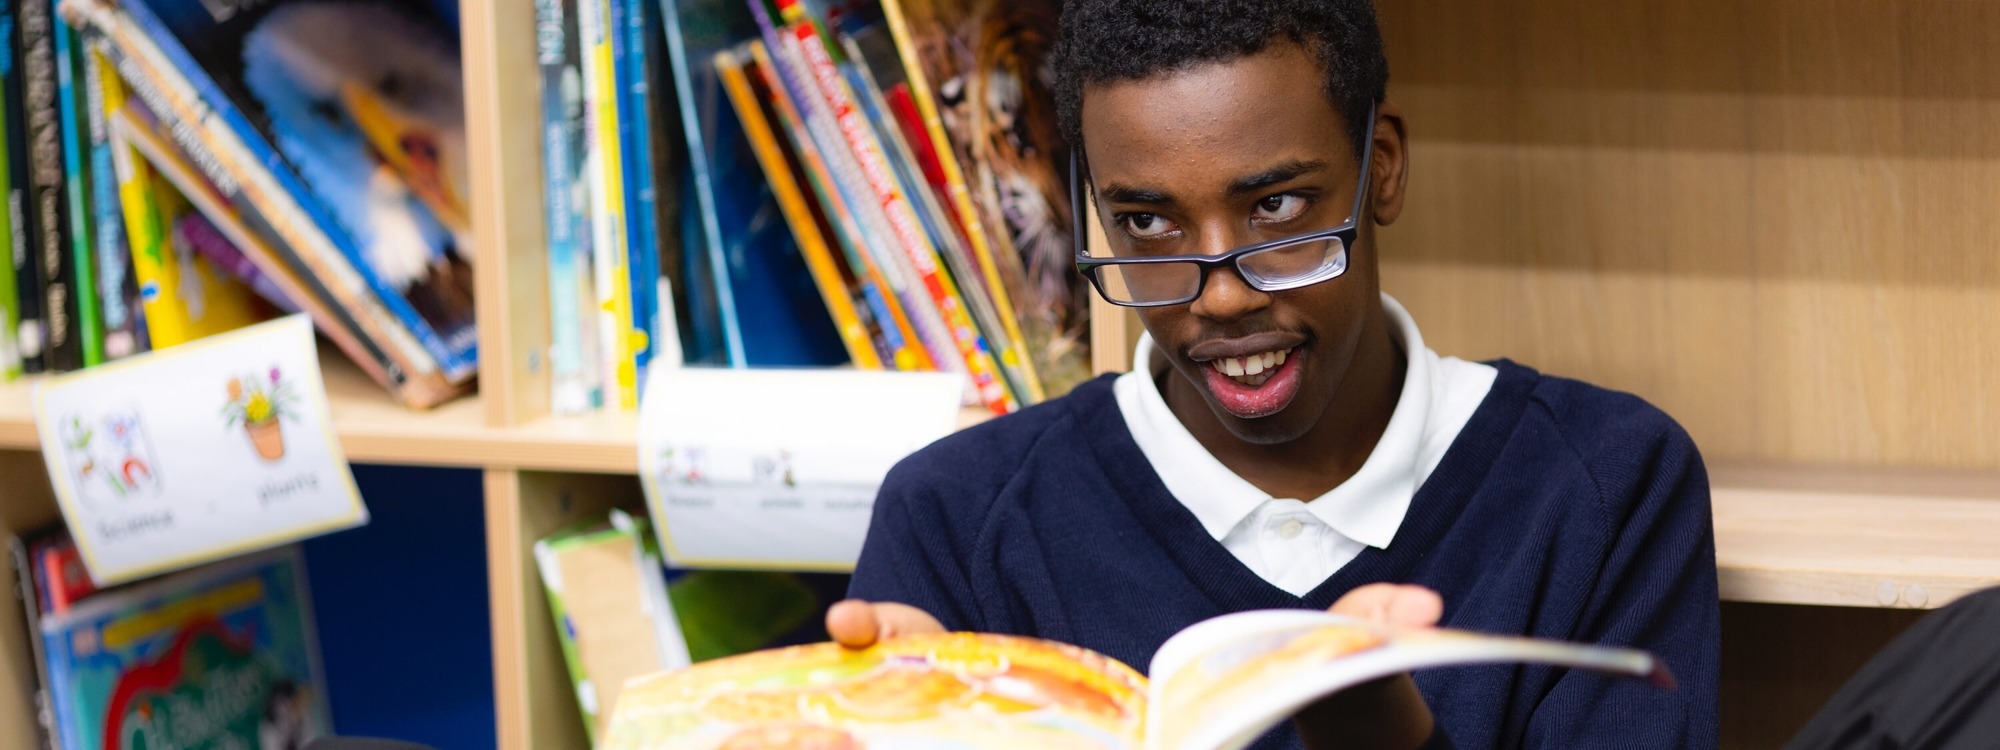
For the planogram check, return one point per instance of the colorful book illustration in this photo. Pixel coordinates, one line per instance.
(618, 618)
(771, 310)
(573, 359)
(352, 174)
(900, 344)
(975, 70)
(838, 286)
(1217, 685)
(219, 656)
(23, 238)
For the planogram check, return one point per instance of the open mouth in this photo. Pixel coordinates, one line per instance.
(1252, 370)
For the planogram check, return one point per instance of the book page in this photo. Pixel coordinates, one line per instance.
(1223, 682)
(961, 690)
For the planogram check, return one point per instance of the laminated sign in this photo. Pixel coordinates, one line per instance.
(196, 452)
(779, 468)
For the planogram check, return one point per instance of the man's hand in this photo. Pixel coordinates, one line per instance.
(1388, 713)
(857, 624)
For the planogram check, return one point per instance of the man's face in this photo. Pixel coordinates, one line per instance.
(1209, 159)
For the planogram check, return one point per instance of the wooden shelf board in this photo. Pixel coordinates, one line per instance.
(374, 428)
(1834, 537)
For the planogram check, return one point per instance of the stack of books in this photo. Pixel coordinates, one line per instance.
(756, 183)
(179, 168)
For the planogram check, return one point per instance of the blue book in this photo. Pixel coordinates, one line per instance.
(311, 139)
(628, 62)
(772, 312)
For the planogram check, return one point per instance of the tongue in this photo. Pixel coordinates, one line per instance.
(1251, 401)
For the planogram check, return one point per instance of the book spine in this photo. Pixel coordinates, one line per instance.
(229, 168)
(959, 192)
(643, 262)
(456, 351)
(10, 302)
(47, 204)
(124, 329)
(875, 168)
(706, 237)
(576, 385)
(607, 202)
(31, 327)
(874, 243)
(76, 193)
(805, 228)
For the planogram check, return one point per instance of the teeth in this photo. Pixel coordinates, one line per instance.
(1253, 369)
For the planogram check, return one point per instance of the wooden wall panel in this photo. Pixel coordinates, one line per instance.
(1774, 219)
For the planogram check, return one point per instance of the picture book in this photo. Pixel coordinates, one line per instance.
(609, 244)
(376, 171)
(631, 69)
(618, 618)
(219, 656)
(10, 305)
(1217, 685)
(771, 309)
(976, 70)
(120, 307)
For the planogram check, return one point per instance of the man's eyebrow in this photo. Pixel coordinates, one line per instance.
(1126, 194)
(1283, 172)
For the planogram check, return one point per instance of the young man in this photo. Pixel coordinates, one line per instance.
(1286, 439)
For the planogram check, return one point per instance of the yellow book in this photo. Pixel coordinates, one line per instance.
(185, 297)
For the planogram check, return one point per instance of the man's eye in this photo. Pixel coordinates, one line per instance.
(1147, 226)
(1281, 207)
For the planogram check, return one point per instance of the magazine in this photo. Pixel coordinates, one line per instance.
(1216, 685)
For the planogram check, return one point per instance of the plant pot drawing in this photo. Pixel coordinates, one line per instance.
(268, 438)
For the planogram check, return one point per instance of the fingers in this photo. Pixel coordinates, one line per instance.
(1392, 604)
(857, 624)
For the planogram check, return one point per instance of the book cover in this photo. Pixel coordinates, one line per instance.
(220, 174)
(212, 245)
(901, 344)
(977, 73)
(771, 309)
(47, 198)
(31, 326)
(573, 360)
(89, 325)
(366, 137)
(838, 286)
(220, 656)
(1216, 685)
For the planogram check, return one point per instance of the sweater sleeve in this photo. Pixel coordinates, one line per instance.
(913, 554)
(1655, 590)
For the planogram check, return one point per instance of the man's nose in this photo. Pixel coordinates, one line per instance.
(1225, 295)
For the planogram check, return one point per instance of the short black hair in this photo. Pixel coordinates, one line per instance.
(1126, 40)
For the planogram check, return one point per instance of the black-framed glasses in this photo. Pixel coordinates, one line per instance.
(1270, 266)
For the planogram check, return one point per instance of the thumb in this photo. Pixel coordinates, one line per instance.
(858, 624)
(1397, 605)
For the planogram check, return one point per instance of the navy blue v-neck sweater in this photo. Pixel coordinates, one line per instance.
(1562, 511)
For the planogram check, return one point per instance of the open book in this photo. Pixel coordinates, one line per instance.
(1217, 685)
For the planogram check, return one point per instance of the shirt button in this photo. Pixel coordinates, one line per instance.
(1290, 528)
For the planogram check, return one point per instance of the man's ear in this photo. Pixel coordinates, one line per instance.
(1392, 163)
